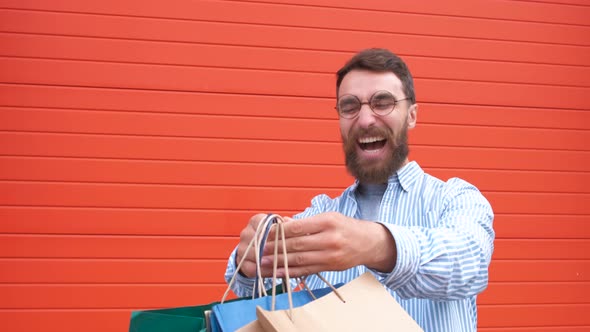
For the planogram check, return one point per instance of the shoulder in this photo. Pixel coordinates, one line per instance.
(456, 193)
(427, 183)
(456, 187)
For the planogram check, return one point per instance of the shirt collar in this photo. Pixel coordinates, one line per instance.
(406, 176)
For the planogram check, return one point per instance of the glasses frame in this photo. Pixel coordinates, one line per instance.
(356, 114)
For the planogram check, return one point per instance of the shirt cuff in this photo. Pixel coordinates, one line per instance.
(243, 286)
(407, 260)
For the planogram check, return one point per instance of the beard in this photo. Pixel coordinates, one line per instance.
(371, 171)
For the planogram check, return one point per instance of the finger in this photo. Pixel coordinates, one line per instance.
(247, 234)
(245, 238)
(295, 272)
(266, 272)
(250, 254)
(274, 228)
(256, 219)
(311, 225)
(300, 259)
(295, 227)
(249, 269)
(311, 242)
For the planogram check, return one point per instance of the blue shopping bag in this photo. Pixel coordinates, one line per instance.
(231, 316)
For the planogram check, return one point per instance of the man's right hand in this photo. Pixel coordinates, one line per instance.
(248, 268)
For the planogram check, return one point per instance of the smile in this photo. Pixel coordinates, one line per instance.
(371, 143)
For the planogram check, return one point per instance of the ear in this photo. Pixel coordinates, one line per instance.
(412, 116)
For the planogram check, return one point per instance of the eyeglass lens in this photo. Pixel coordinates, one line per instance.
(382, 103)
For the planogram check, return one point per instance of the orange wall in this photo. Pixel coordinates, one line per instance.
(137, 137)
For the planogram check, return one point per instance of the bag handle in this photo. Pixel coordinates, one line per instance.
(262, 231)
(258, 241)
(279, 223)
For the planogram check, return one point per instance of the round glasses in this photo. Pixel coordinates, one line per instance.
(381, 103)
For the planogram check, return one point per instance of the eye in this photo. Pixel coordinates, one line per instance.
(383, 104)
(382, 101)
(348, 105)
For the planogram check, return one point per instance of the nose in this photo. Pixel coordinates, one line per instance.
(366, 117)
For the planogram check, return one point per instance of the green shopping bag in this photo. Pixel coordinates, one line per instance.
(181, 319)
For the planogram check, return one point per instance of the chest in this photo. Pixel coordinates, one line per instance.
(416, 208)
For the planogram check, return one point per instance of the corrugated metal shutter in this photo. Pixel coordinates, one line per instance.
(136, 139)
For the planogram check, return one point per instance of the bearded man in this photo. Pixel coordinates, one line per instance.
(429, 242)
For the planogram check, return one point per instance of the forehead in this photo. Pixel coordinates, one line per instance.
(363, 83)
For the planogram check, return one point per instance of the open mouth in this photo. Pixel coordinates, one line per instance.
(373, 143)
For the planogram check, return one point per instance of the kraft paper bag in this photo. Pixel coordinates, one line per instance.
(367, 306)
(252, 327)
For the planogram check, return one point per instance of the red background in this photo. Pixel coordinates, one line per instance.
(136, 139)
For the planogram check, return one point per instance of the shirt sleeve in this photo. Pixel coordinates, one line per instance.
(242, 286)
(449, 261)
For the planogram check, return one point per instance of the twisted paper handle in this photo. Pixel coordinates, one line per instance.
(258, 241)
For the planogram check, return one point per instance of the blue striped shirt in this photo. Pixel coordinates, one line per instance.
(444, 239)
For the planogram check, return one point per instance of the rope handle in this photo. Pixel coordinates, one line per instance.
(258, 241)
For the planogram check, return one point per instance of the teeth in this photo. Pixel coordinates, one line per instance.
(365, 140)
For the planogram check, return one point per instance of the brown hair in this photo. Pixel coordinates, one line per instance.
(380, 60)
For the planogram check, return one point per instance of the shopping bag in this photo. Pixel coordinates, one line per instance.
(181, 319)
(233, 315)
(360, 305)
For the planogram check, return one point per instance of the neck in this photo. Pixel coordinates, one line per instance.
(366, 183)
